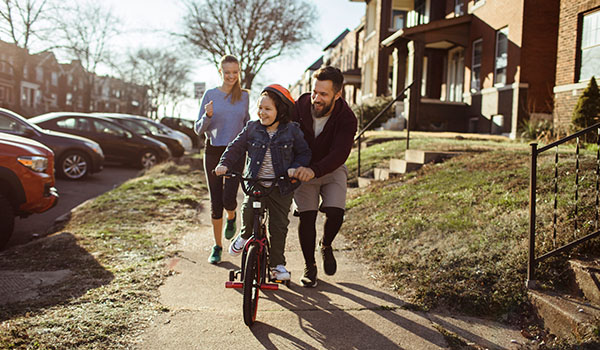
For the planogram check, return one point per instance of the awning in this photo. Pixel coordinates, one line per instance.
(352, 76)
(441, 34)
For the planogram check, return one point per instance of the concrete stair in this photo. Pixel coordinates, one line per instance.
(571, 315)
(413, 160)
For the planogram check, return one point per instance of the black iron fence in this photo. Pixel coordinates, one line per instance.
(580, 181)
(358, 136)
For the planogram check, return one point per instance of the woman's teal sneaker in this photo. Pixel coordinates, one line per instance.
(230, 228)
(215, 256)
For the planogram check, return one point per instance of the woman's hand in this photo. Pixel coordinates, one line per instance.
(208, 109)
(221, 170)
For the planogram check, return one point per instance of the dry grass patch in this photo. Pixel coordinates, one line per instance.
(115, 247)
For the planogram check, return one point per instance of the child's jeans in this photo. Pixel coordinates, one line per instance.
(278, 207)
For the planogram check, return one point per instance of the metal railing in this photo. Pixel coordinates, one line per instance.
(358, 137)
(535, 152)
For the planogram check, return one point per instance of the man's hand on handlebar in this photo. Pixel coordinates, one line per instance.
(221, 170)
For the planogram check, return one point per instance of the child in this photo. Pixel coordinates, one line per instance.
(275, 146)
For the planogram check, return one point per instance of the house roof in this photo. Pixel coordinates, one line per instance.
(316, 65)
(453, 31)
(338, 39)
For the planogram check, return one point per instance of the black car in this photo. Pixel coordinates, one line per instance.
(119, 143)
(75, 157)
(186, 126)
(139, 128)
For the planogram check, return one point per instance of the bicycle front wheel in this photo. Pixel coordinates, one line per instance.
(251, 284)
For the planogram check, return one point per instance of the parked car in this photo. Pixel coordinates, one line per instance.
(150, 123)
(186, 126)
(119, 143)
(174, 144)
(26, 181)
(76, 157)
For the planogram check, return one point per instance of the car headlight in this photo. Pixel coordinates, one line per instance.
(35, 163)
(164, 148)
(96, 147)
(180, 142)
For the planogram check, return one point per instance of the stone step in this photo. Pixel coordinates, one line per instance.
(401, 166)
(381, 174)
(587, 276)
(365, 181)
(564, 316)
(424, 157)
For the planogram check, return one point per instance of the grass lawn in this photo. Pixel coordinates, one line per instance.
(115, 248)
(454, 235)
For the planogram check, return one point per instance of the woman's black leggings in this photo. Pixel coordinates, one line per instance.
(223, 192)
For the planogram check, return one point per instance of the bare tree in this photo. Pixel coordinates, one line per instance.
(166, 74)
(21, 21)
(85, 33)
(255, 31)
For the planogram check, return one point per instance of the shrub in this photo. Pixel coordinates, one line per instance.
(540, 130)
(371, 108)
(587, 110)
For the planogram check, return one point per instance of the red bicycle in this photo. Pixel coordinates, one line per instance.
(253, 275)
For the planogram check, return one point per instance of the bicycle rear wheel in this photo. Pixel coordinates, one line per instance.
(251, 285)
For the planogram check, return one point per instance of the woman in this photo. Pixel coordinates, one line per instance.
(223, 114)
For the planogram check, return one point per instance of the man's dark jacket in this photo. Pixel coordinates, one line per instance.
(331, 149)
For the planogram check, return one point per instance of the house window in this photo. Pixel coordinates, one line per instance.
(458, 8)
(398, 19)
(69, 99)
(25, 72)
(476, 66)
(371, 14)
(590, 46)
(456, 69)
(501, 61)
(39, 74)
(54, 79)
(420, 9)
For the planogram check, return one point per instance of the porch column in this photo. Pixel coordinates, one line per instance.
(416, 51)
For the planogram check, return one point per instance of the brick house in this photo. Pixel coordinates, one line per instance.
(476, 64)
(578, 56)
(47, 86)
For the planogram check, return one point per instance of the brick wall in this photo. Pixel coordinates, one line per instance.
(567, 89)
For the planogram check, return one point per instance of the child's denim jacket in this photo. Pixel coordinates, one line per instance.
(288, 150)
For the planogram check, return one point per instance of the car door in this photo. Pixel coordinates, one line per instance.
(118, 143)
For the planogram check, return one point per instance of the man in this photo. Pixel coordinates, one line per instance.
(329, 126)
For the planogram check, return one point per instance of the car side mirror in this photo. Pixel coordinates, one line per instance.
(127, 135)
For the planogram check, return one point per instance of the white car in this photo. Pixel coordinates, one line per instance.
(185, 140)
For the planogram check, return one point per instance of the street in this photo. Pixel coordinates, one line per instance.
(71, 193)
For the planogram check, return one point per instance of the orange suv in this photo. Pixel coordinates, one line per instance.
(26, 181)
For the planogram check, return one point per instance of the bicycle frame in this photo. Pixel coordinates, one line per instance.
(259, 236)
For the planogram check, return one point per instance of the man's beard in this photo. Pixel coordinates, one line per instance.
(325, 110)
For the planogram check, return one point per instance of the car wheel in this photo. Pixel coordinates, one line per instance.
(7, 220)
(148, 159)
(73, 165)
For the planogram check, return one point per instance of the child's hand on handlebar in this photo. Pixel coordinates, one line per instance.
(291, 172)
(221, 170)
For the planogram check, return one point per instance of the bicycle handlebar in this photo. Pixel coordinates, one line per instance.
(247, 182)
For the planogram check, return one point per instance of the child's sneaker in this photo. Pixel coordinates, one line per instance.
(236, 247)
(280, 273)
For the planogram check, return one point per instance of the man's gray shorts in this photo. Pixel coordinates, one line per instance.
(331, 189)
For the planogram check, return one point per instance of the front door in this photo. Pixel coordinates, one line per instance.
(456, 71)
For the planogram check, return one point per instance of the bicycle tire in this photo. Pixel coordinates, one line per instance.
(251, 285)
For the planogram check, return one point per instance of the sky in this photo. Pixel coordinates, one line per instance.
(144, 21)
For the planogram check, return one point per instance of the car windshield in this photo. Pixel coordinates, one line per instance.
(135, 126)
(153, 129)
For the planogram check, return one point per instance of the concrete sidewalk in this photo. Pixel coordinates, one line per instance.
(345, 311)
